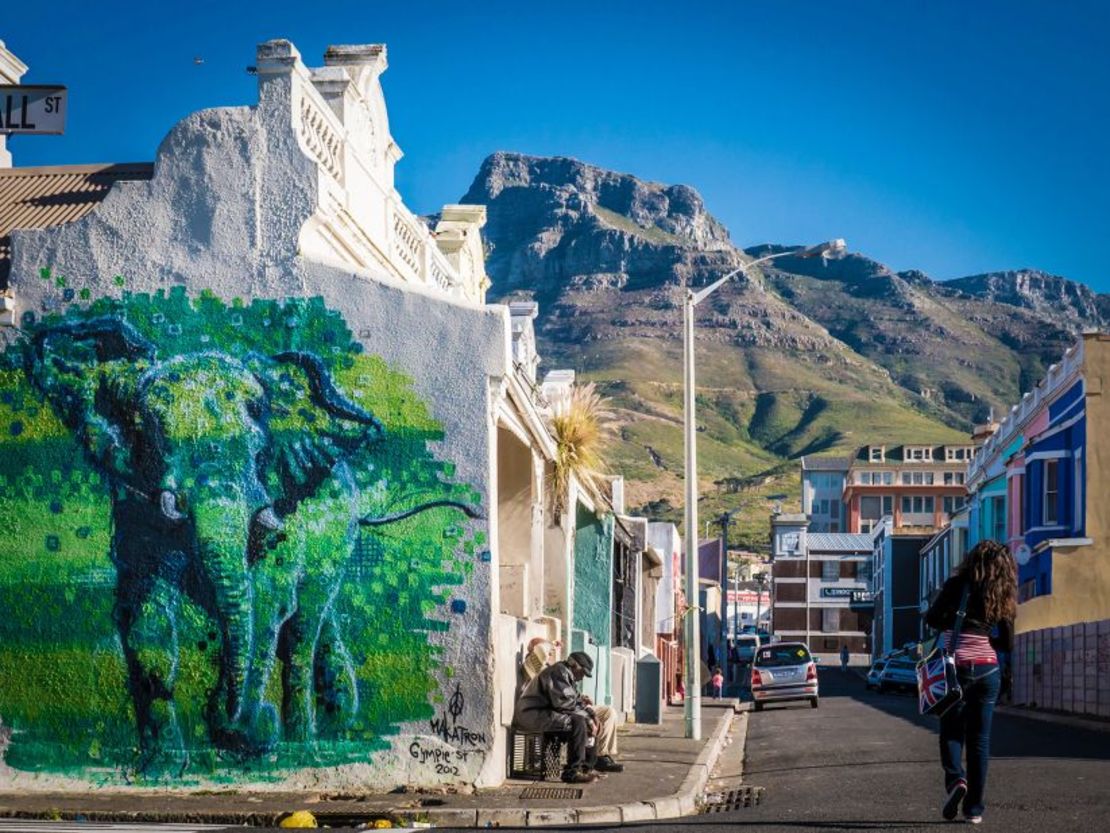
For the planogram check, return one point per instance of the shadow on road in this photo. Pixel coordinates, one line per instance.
(1012, 736)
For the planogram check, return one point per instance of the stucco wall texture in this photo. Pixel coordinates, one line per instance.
(328, 644)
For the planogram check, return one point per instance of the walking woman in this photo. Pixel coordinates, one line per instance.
(990, 577)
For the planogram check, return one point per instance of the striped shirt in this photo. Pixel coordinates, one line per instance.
(972, 649)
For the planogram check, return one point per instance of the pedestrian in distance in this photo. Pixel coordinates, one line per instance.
(844, 657)
(989, 575)
(718, 683)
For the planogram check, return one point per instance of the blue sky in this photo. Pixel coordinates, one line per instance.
(953, 136)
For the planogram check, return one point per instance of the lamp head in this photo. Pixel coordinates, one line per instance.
(829, 250)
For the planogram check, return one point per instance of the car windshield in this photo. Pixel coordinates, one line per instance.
(878, 666)
(902, 665)
(777, 655)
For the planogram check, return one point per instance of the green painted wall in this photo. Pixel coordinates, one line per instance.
(593, 594)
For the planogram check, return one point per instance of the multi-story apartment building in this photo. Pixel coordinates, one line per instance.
(817, 579)
(896, 577)
(918, 486)
(940, 557)
(823, 480)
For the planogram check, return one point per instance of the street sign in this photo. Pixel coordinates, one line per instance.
(838, 592)
(32, 108)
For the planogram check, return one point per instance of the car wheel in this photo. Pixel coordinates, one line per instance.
(757, 706)
(813, 703)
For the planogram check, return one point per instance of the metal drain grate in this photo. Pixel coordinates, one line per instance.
(551, 792)
(735, 799)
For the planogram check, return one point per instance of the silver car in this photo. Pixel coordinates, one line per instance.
(900, 672)
(875, 673)
(782, 672)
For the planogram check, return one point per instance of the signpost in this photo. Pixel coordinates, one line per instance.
(32, 109)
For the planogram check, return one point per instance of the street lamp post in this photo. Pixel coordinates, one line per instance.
(692, 706)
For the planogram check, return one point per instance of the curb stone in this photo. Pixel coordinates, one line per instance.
(639, 811)
(517, 817)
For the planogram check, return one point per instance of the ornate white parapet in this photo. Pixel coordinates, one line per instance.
(338, 116)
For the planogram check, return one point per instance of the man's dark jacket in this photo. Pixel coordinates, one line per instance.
(548, 701)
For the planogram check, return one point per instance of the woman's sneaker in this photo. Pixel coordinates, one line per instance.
(952, 803)
(974, 819)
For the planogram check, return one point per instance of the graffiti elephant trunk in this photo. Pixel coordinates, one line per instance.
(234, 709)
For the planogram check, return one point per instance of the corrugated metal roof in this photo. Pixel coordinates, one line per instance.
(42, 197)
(812, 462)
(839, 542)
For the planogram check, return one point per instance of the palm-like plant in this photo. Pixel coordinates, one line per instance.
(582, 425)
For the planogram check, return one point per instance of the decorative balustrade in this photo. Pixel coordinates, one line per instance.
(1030, 404)
(407, 245)
(322, 141)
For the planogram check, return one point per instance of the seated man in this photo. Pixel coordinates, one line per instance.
(551, 703)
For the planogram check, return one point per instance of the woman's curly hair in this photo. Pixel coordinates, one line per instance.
(992, 573)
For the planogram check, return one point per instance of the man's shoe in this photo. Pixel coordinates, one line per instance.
(607, 764)
(974, 819)
(579, 776)
(952, 803)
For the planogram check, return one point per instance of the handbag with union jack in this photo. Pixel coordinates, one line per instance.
(938, 687)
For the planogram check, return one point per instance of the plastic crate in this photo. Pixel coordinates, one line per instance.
(535, 755)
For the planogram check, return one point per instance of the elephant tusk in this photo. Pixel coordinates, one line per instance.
(168, 502)
(269, 519)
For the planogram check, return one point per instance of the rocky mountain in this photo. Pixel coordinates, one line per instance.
(804, 357)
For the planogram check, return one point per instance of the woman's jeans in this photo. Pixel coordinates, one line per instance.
(969, 721)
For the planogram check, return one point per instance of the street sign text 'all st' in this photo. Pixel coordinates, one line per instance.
(32, 108)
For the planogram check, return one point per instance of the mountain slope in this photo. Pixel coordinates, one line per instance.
(607, 256)
(799, 358)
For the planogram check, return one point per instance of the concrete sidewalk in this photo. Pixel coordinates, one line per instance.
(665, 776)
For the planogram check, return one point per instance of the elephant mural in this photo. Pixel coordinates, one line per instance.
(232, 487)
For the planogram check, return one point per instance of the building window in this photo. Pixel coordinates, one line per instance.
(888, 505)
(823, 507)
(930, 506)
(830, 619)
(888, 478)
(907, 478)
(1051, 491)
(907, 505)
(830, 570)
(998, 518)
(876, 453)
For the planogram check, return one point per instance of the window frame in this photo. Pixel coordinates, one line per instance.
(1051, 465)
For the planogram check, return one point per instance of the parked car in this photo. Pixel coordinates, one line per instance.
(784, 671)
(876, 670)
(900, 672)
(746, 646)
